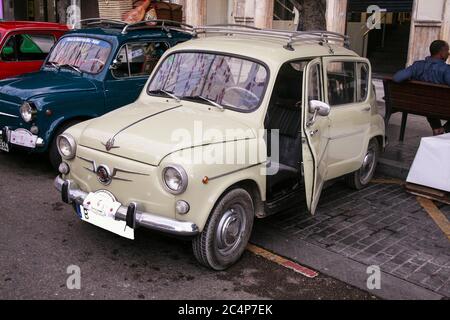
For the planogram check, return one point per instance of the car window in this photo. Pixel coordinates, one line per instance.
(138, 59)
(341, 83)
(9, 50)
(314, 88)
(363, 81)
(27, 47)
(33, 46)
(233, 82)
(87, 54)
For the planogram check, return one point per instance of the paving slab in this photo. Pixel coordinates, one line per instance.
(399, 155)
(352, 230)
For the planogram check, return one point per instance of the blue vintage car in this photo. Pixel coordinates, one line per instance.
(89, 72)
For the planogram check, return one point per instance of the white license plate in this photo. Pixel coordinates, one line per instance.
(24, 138)
(99, 209)
(3, 145)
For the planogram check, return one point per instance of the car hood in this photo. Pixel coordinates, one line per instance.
(149, 132)
(30, 85)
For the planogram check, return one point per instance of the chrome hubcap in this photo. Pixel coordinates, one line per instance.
(230, 229)
(368, 166)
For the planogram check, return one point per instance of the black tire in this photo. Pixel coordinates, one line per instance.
(53, 153)
(210, 247)
(361, 178)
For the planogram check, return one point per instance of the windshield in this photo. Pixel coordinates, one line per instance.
(232, 82)
(86, 54)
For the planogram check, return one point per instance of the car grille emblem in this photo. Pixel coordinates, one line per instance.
(104, 175)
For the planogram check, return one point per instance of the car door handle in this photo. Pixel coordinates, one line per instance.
(366, 109)
(314, 132)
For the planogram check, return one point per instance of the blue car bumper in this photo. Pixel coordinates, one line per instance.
(19, 138)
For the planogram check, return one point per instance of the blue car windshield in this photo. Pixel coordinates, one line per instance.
(231, 82)
(85, 54)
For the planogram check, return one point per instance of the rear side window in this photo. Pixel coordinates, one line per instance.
(138, 59)
(341, 83)
(27, 47)
(9, 50)
(363, 81)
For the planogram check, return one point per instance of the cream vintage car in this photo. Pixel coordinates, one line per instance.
(236, 124)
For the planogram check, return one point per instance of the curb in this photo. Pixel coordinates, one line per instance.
(339, 267)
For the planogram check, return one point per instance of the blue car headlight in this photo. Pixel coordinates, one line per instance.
(28, 111)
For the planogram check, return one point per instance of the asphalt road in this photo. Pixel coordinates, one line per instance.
(40, 237)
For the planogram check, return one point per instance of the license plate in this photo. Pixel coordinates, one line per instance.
(3, 145)
(24, 138)
(99, 209)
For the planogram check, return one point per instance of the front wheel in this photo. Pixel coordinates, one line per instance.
(361, 178)
(227, 231)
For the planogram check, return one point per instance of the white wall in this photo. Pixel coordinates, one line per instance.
(217, 11)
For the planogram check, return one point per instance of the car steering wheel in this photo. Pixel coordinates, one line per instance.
(97, 60)
(242, 92)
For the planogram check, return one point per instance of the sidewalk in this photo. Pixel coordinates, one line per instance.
(399, 156)
(381, 226)
(352, 230)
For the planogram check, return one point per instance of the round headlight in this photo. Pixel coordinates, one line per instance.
(66, 146)
(27, 112)
(175, 179)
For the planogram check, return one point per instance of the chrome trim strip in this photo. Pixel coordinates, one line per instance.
(130, 172)
(236, 171)
(110, 142)
(143, 219)
(8, 115)
(114, 172)
(347, 135)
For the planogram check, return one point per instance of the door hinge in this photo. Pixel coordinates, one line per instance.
(302, 169)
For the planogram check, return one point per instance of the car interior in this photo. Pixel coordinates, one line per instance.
(284, 114)
(341, 83)
(24, 47)
(142, 58)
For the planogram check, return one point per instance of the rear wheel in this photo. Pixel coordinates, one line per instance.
(361, 178)
(227, 231)
(54, 156)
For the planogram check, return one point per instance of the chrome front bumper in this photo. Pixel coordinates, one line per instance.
(5, 132)
(72, 194)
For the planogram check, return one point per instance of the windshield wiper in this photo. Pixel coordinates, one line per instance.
(167, 93)
(211, 102)
(54, 64)
(72, 67)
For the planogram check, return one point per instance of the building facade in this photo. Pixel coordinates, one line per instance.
(400, 34)
(46, 10)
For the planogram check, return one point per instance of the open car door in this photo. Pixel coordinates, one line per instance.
(315, 133)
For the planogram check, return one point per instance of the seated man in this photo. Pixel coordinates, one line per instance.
(433, 69)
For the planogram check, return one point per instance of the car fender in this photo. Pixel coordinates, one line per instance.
(208, 182)
(53, 111)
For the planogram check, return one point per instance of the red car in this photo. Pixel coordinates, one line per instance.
(25, 45)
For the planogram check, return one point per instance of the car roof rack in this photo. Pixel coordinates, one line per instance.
(315, 36)
(99, 22)
(166, 25)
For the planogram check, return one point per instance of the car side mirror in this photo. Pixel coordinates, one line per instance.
(317, 108)
(7, 51)
(115, 65)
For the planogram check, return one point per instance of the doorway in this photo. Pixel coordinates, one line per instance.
(386, 46)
